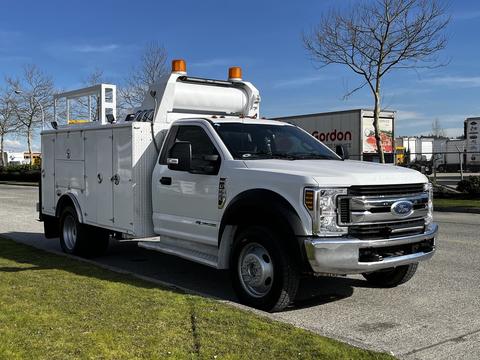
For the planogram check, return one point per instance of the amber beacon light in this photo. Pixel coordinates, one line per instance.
(179, 66)
(235, 73)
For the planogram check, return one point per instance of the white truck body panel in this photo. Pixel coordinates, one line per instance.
(209, 99)
(88, 158)
(49, 199)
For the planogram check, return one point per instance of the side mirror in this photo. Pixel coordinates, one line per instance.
(342, 151)
(180, 156)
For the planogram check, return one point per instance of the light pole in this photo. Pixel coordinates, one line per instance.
(20, 92)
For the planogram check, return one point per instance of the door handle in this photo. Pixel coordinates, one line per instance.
(115, 179)
(166, 181)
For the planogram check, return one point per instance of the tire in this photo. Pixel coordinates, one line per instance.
(50, 227)
(259, 250)
(80, 239)
(391, 277)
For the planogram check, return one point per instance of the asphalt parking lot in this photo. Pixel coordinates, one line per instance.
(434, 316)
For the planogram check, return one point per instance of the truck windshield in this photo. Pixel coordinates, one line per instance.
(258, 141)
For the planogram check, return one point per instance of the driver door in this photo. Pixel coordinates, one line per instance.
(185, 203)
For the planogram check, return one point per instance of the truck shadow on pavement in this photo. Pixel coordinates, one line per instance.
(184, 274)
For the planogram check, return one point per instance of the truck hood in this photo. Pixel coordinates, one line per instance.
(340, 173)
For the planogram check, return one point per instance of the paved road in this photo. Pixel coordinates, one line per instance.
(434, 316)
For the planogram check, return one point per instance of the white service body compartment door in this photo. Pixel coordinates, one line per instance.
(69, 145)
(98, 169)
(48, 174)
(122, 178)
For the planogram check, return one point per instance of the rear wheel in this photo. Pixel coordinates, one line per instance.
(80, 239)
(391, 277)
(263, 274)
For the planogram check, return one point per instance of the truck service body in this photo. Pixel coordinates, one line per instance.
(196, 173)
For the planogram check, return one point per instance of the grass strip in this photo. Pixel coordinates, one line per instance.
(470, 203)
(55, 307)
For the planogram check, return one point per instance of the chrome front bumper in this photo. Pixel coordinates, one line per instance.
(342, 255)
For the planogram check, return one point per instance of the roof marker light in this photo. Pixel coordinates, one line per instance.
(235, 73)
(179, 66)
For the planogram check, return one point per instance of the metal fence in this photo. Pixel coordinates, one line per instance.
(446, 168)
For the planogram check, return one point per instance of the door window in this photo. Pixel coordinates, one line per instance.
(203, 148)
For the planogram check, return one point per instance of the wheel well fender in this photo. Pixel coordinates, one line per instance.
(260, 207)
(68, 199)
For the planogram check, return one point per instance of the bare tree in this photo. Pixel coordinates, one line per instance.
(90, 107)
(97, 76)
(376, 37)
(8, 123)
(437, 129)
(34, 91)
(151, 68)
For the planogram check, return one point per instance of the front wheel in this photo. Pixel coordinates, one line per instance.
(391, 277)
(263, 274)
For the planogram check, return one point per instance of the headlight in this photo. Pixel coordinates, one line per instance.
(429, 219)
(321, 203)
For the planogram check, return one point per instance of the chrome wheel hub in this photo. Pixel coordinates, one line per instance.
(255, 269)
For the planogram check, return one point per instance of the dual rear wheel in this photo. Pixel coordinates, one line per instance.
(81, 239)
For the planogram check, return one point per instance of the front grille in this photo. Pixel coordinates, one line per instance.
(374, 190)
(387, 230)
(344, 208)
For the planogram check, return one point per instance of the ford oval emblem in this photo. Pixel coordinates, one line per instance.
(402, 208)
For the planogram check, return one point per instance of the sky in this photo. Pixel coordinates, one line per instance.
(69, 40)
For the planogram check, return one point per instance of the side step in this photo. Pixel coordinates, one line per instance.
(185, 253)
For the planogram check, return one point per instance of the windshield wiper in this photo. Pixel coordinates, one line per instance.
(269, 155)
(312, 156)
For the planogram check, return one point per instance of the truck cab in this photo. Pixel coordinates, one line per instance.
(261, 198)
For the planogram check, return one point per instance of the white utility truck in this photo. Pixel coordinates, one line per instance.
(196, 173)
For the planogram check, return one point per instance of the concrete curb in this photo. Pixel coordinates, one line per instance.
(17, 183)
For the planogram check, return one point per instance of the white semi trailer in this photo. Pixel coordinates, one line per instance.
(196, 173)
(352, 129)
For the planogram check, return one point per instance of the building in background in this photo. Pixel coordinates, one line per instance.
(472, 133)
(352, 129)
(21, 158)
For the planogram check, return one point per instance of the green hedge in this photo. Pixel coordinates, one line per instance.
(470, 185)
(27, 173)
